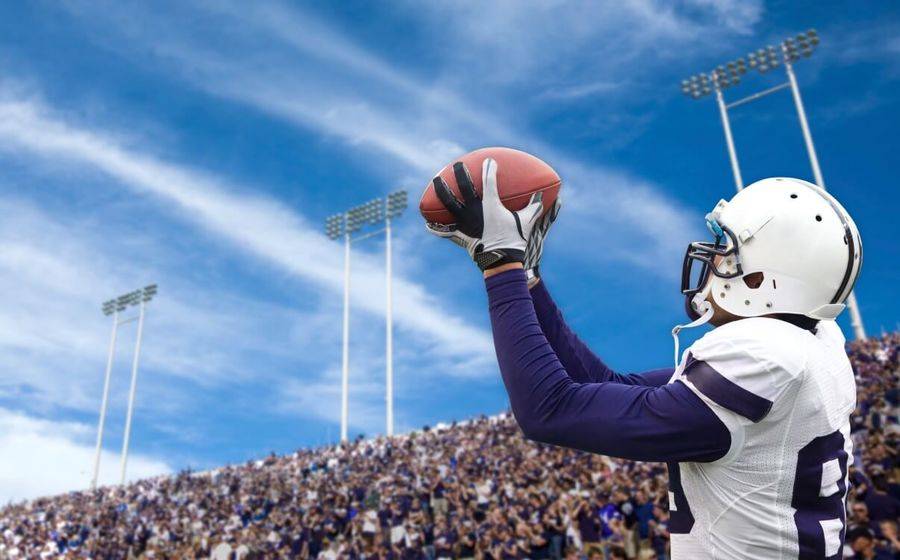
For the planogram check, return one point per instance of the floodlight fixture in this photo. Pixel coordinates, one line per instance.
(698, 85)
(334, 226)
(352, 222)
(149, 292)
(802, 45)
(130, 299)
(373, 211)
(396, 204)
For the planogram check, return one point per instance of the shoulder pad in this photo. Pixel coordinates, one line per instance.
(750, 362)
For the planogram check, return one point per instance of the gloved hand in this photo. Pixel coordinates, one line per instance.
(535, 247)
(492, 234)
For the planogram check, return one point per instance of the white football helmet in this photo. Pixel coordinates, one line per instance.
(782, 246)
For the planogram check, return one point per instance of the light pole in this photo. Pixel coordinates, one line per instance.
(338, 226)
(395, 203)
(113, 307)
(729, 140)
(769, 58)
(109, 308)
(143, 297)
(344, 226)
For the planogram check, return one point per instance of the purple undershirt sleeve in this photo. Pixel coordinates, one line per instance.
(667, 423)
(581, 364)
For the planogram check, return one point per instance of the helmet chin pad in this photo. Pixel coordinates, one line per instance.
(701, 302)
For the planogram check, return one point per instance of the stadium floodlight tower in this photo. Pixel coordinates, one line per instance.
(112, 308)
(765, 60)
(374, 212)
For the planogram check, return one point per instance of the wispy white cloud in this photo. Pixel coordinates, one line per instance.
(54, 272)
(312, 37)
(878, 43)
(420, 123)
(850, 108)
(738, 16)
(580, 40)
(580, 91)
(33, 448)
(320, 399)
(259, 226)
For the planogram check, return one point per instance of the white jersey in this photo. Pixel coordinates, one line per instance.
(785, 395)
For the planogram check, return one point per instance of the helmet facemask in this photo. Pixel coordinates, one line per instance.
(705, 255)
(704, 259)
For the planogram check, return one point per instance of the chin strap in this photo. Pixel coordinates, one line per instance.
(705, 308)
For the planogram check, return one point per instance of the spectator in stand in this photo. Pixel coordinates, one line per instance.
(881, 505)
(589, 524)
(864, 546)
(658, 539)
(643, 512)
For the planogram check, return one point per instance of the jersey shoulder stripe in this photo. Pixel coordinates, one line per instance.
(724, 392)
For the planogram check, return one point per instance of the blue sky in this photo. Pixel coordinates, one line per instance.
(200, 146)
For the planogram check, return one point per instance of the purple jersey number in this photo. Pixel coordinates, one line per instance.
(681, 520)
(820, 487)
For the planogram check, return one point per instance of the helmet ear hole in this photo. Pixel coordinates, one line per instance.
(754, 280)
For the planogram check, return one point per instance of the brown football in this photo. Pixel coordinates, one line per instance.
(519, 175)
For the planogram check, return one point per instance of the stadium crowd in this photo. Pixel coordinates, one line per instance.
(474, 489)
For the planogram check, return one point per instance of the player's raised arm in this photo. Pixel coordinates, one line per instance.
(467, 230)
(636, 422)
(668, 423)
(580, 362)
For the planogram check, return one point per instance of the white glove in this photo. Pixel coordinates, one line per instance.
(535, 247)
(491, 233)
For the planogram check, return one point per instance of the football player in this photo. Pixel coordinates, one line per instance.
(754, 419)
